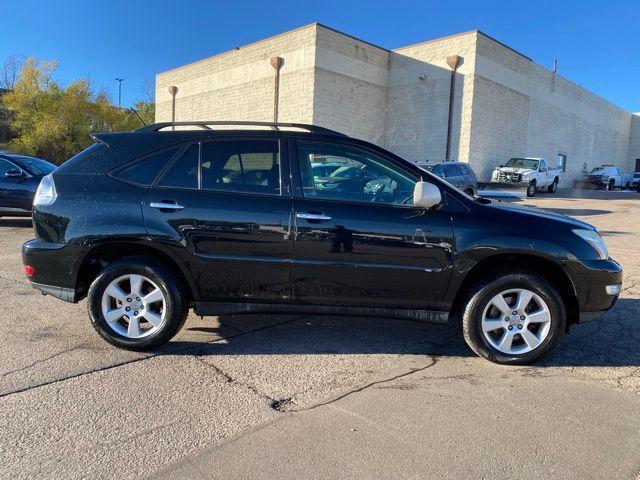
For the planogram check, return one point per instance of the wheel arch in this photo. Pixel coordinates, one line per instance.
(98, 257)
(547, 269)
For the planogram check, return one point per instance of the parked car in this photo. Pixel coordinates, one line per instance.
(150, 223)
(609, 178)
(19, 178)
(456, 173)
(635, 181)
(532, 173)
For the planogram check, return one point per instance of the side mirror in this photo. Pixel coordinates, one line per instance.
(14, 173)
(426, 195)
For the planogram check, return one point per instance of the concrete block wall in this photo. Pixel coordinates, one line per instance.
(634, 142)
(239, 84)
(519, 109)
(418, 109)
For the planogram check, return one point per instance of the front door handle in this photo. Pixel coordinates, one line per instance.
(313, 217)
(166, 205)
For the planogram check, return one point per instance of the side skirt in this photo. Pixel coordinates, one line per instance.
(228, 308)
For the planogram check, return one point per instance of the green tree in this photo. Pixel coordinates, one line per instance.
(54, 122)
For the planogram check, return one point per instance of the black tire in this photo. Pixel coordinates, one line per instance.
(531, 188)
(612, 185)
(177, 302)
(478, 298)
(553, 187)
(469, 191)
(627, 186)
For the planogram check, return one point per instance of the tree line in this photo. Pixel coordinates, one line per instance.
(42, 118)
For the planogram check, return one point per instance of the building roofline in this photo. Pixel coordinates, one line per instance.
(350, 36)
(251, 44)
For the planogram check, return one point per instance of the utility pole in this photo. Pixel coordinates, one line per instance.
(119, 80)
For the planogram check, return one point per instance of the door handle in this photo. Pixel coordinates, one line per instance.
(166, 205)
(313, 217)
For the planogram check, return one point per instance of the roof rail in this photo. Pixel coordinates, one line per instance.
(206, 125)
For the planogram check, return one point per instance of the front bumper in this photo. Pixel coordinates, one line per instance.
(595, 282)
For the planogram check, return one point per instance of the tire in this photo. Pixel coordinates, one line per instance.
(168, 314)
(612, 185)
(627, 186)
(531, 189)
(553, 187)
(478, 307)
(469, 191)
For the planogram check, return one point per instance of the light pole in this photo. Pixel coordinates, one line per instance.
(119, 80)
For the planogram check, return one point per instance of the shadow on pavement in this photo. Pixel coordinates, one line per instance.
(611, 341)
(16, 222)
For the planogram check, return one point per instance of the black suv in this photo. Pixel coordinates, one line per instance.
(150, 223)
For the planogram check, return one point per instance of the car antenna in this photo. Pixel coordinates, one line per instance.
(139, 117)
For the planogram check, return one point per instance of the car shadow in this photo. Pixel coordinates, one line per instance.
(611, 341)
(16, 222)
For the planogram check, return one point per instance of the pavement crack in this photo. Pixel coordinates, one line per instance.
(196, 347)
(434, 361)
(38, 362)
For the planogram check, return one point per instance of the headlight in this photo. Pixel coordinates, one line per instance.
(595, 240)
(46, 193)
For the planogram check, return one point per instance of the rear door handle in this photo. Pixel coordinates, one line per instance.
(313, 217)
(166, 205)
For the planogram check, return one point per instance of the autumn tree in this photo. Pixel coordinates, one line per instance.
(53, 121)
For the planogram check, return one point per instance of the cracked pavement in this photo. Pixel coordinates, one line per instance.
(306, 396)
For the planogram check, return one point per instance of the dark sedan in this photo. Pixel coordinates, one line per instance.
(19, 178)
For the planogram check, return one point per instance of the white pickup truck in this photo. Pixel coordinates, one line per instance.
(609, 177)
(532, 173)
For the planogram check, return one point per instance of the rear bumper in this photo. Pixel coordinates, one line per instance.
(598, 284)
(54, 268)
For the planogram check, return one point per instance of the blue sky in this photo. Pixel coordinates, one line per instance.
(596, 43)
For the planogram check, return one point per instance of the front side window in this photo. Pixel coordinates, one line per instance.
(251, 166)
(358, 175)
(5, 167)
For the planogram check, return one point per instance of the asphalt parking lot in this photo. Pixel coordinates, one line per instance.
(319, 397)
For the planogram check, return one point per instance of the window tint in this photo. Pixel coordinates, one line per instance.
(146, 170)
(184, 171)
(251, 166)
(358, 175)
(5, 167)
(438, 170)
(465, 170)
(452, 171)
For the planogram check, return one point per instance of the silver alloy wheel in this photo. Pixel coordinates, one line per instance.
(516, 321)
(134, 306)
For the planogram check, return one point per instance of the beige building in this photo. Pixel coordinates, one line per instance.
(503, 104)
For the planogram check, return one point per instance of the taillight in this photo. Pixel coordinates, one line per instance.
(46, 193)
(29, 270)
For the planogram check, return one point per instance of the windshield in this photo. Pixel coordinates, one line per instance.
(35, 166)
(597, 170)
(522, 163)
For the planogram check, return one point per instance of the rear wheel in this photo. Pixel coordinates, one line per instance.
(135, 303)
(531, 189)
(553, 187)
(513, 318)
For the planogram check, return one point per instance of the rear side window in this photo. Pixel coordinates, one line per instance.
(251, 166)
(184, 172)
(465, 169)
(145, 171)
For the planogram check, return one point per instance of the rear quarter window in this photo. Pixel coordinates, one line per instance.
(145, 170)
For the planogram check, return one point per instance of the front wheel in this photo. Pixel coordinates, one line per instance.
(612, 185)
(137, 304)
(553, 187)
(531, 189)
(513, 318)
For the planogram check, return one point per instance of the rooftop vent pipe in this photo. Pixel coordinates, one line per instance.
(453, 61)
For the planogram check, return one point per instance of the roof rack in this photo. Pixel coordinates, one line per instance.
(206, 125)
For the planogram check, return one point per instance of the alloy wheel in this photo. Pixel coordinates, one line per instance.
(134, 306)
(516, 321)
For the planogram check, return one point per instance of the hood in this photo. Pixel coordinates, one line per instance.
(519, 170)
(542, 214)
